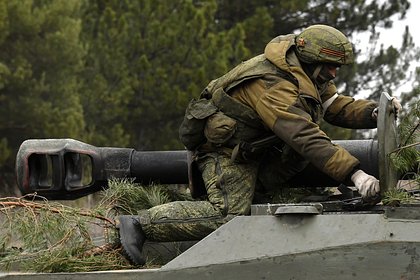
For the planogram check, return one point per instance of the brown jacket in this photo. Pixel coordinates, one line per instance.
(293, 109)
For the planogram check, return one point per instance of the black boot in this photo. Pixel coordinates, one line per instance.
(132, 238)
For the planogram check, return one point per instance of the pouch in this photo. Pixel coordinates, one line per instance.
(219, 128)
(191, 131)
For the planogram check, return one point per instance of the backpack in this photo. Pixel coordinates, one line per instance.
(228, 117)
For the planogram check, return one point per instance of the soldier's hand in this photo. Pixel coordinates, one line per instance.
(375, 113)
(397, 105)
(367, 185)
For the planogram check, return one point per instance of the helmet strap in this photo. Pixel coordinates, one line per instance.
(313, 71)
(316, 72)
(318, 77)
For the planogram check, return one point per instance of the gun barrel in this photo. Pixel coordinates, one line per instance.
(68, 169)
(166, 167)
(366, 151)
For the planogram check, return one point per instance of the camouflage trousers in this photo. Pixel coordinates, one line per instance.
(230, 190)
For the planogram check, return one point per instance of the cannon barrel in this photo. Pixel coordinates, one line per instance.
(68, 169)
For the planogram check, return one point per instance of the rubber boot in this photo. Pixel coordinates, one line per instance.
(132, 238)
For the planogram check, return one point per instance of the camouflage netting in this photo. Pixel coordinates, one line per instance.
(42, 236)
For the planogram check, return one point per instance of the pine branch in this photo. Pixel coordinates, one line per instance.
(51, 237)
(411, 133)
(100, 250)
(404, 147)
(19, 202)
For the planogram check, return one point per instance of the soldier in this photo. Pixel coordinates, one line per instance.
(259, 122)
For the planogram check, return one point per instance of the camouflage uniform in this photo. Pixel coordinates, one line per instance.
(270, 93)
(230, 189)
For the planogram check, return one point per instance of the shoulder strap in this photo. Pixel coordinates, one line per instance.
(255, 67)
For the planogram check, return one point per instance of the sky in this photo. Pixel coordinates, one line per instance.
(393, 36)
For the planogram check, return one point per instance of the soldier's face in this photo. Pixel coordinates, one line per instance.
(328, 72)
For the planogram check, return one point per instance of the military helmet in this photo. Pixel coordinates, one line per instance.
(323, 44)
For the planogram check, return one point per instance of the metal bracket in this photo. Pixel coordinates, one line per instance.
(387, 142)
(301, 209)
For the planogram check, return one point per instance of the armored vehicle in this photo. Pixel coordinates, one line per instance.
(341, 239)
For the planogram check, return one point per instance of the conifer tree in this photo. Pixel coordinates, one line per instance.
(40, 58)
(120, 73)
(146, 60)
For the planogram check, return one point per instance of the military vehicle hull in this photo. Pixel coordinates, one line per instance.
(383, 243)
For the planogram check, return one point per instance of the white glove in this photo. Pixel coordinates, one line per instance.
(395, 104)
(365, 184)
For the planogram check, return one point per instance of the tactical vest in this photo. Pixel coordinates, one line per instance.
(231, 121)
